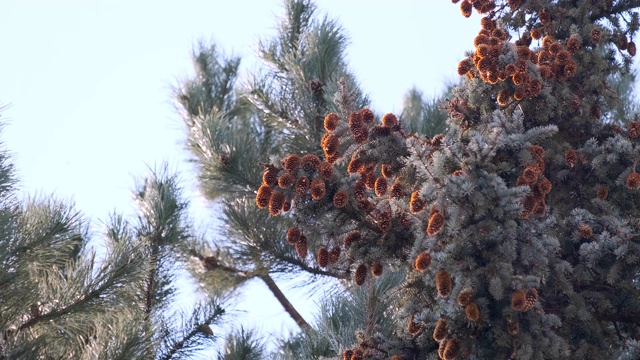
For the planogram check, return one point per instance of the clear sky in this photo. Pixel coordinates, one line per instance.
(89, 84)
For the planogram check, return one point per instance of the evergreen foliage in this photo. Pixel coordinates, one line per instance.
(64, 295)
(516, 227)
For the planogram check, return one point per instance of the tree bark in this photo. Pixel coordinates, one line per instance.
(288, 307)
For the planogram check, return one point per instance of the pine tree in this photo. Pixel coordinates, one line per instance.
(66, 295)
(232, 127)
(517, 227)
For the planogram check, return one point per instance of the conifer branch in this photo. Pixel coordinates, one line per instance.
(284, 301)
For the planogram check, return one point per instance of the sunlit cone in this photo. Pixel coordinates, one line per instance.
(530, 174)
(537, 152)
(302, 185)
(386, 170)
(286, 206)
(510, 69)
(571, 158)
(544, 185)
(361, 274)
(596, 35)
(405, 220)
(376, 269)
(464, 67)
(602, 192)
(291, 163)
(519, 78)
(276, 201)
(521, 181)
(358, 354)
(437, 140)
(331, 121)
(472, 311)
(318, 189)
(396, 190)
(563, 56)
(440, 332)
(381, 186)
(451, 350)
(331, 159)
(633, 129)
(465, 297)
(480, 39)
(443, 284)
(369, 179)
(442, 347)
(310, 162)
(633, 181)
(323, 257)
(381, 131)
(416, 204)
(536, 34)
(519, 300)
(351, 237)
(484, 64)
(354, 165)
(340, 199)
(347, 355)
(413, 328)
(286, 180)
(514, 4)
(519, 94)
(540, 207)
(301, 247)
(334, 255)
(528, 204)
(423, 260)
(585, 231)
(547, 41)
(270, 175)
(384, 225)
(355, 120)
(535, 87)
(546, 72)
(503, 97)
(325, 170)
(573, 45)
(531, 298)
(523, 52)
(436, 223)
(361, 135)
(389, 120)
(466, 8)
(263, 196)
(554, 48)
(499, 33)
(330, 145)
(293, 235)
(367, 115)
(359, 190)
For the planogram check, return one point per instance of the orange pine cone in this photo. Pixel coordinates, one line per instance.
(361, 274)
(443, 284)
(422, 261)
(436, 223)
(323, 257)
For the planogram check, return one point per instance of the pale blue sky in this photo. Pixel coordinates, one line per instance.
(89, 86)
